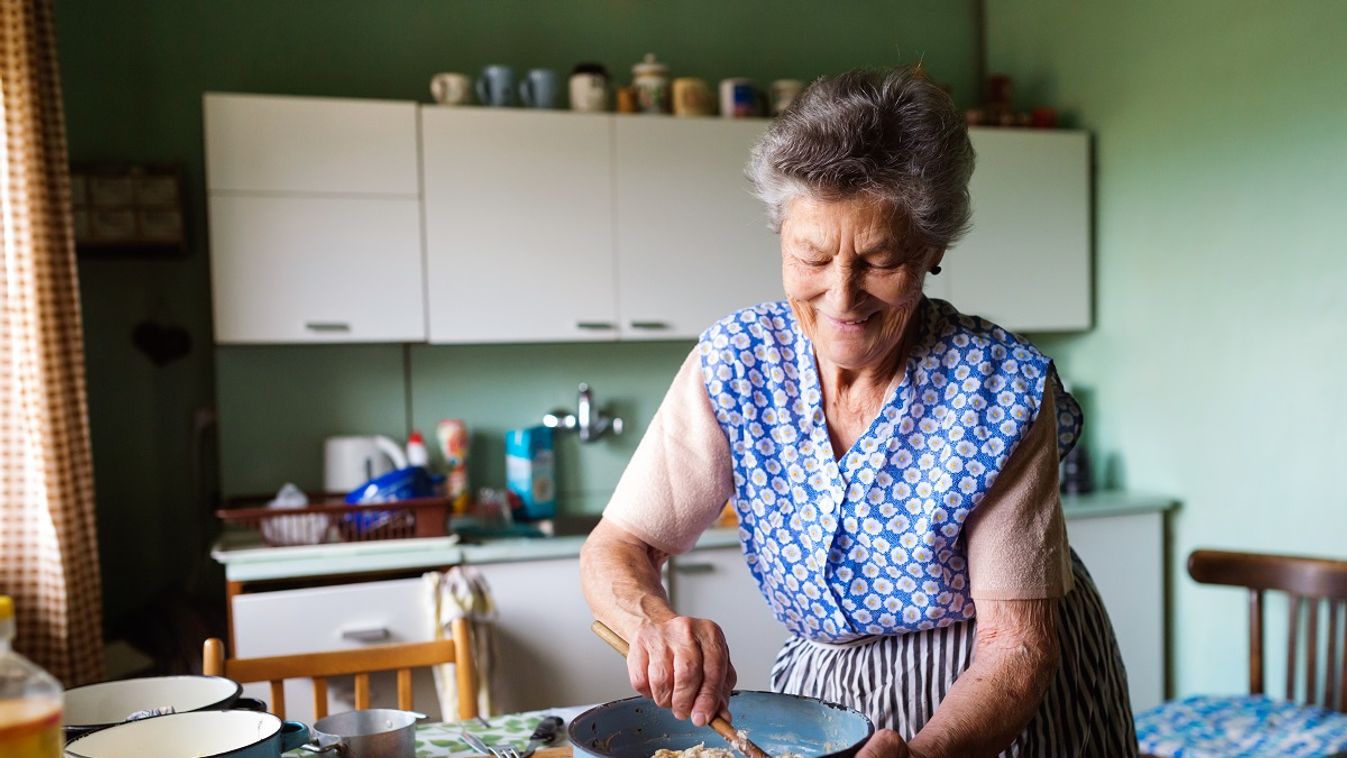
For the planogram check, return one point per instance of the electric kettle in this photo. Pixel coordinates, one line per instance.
(351, 461)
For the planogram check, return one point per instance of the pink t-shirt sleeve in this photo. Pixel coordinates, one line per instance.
(681, 474)
(1016, 537)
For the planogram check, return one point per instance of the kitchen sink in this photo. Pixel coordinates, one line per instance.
(572, 526)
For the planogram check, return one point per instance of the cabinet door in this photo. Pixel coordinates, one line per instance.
(290, 268)
(263, 143)
(519, 237)
(692, 242)
(715, 584)
(1026, 263)
(1131, 584)
(548, 655)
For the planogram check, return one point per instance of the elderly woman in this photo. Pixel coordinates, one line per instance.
(893, 464)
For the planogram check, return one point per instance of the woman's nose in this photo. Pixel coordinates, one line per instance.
(844, 288)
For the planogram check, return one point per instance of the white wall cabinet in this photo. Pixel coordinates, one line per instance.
(315, 220)
(519, 229)
(1026, 262)
(559, 226)
(692, 242)
(553, 226)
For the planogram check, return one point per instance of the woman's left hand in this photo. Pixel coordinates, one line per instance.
(885, 743)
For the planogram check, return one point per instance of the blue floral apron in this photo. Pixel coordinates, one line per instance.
(869, 544)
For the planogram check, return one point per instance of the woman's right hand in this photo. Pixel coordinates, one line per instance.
(683, 664)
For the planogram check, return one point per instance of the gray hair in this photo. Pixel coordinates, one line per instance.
(890, 134)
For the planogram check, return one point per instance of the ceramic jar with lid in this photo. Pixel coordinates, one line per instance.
(650, 79)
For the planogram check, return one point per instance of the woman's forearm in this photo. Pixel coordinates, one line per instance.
(1015, 656)
(620, 576)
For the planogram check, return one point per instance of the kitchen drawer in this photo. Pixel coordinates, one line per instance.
(322, 619)
(330, 618)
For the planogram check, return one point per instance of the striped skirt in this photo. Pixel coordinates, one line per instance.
(898, 681)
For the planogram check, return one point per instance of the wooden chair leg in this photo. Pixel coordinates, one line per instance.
(464, 669)
(1312, 653)
(361, 691)
(405, 689)
(319, 697)
(278, 697)
(1292, 635)
(212, 658)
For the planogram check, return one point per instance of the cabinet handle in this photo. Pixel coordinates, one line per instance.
(377, 634)
(651, 325)
(327, 326)
(594, 325)
(694, 568)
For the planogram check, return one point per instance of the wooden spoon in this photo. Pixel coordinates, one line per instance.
(722, 727)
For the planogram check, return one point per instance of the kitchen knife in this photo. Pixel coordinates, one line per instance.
(543, 735)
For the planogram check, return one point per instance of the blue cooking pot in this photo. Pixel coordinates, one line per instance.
(636, 727)
(208, 734)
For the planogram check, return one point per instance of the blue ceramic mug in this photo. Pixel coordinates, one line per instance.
(496, 86)
(541, 88)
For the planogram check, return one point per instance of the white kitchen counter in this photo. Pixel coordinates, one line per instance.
(246, 561)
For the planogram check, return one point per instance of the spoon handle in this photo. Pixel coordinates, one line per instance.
(722, 727)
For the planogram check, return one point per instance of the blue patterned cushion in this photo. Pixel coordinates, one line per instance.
(1205, 726)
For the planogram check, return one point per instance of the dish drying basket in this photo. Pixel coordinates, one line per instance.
(328, 518)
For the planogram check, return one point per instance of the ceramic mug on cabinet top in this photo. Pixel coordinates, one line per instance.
(496, 86)
(450, 88)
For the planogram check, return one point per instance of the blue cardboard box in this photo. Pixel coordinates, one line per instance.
(529, 472)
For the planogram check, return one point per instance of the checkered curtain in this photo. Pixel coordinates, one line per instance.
(48, 550)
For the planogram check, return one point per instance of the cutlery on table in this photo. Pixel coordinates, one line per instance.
(485, 749)
(544, 734)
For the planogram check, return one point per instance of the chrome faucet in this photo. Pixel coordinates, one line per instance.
(588, 420)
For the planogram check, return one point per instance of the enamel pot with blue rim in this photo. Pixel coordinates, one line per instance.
(98, 706)
(205, 734)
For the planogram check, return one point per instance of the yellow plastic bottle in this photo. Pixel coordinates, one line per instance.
(30, 699)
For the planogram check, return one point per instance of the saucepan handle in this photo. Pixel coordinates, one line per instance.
(293, 734)
(250, 704)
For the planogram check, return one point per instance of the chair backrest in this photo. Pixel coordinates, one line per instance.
(360, 663)
(1310, 584)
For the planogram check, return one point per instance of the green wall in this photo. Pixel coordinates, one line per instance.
(133, 73)
(1216, 366)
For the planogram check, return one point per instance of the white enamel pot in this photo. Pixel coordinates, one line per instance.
(98, 706)
(200, 734)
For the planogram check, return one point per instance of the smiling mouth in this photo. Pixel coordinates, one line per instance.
(851, 322)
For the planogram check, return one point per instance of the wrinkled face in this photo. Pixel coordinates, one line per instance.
(852, 279)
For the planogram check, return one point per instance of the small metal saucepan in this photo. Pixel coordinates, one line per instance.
(371, 733)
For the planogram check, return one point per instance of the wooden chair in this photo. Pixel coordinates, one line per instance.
(360, 662)
(1313, 585)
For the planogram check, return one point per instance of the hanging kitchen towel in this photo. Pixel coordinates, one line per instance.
(462, 592)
